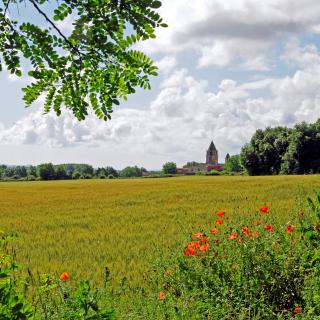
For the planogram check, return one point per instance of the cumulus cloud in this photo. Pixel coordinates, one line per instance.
(227, 31)
(185, 116)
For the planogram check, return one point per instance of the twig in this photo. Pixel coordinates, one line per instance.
(55, 27)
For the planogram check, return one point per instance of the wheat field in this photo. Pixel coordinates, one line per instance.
(84, 226)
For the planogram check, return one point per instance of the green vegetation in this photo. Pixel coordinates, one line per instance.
(252, 267)
(283, 150)
(138, 228)
(169, 168)
(92, 66)
(233, 164)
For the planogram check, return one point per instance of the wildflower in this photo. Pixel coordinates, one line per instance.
(194, 244)
(214, 230)
(246, 232)
(297, 310)
(232, 236)
(268, 227)
(221, 213)
(162, 295)
(206, 239)
(219, 221)
(167, 273)
(205, 247)
(264, 209)
(289, 228)
(255, 234)
(166, 286)
(301, 214)
(198, 235)
(64, 276)
(189, 252)
(257, 222)
(240, 239)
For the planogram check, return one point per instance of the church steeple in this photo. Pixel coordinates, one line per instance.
(212, 154)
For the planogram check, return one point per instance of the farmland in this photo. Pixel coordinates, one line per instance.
(83, 226)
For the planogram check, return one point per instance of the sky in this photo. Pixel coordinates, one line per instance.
(226, 69)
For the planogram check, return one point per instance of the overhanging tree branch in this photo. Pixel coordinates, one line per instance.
(55, 27)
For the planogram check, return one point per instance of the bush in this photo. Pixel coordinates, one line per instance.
(110, 176)
(31, 178)
(256, 269)
(213, 173)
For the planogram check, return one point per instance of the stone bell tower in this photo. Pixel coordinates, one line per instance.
(212, 154)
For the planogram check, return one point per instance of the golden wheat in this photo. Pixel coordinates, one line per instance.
(83, 226)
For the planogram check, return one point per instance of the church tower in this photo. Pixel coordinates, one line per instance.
(212, 154)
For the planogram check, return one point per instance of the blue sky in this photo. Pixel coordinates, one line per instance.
(227, 68)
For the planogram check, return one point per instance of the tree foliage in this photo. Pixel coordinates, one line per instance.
(94, 65)
(129, 172)
(169, 168)
(283, 150)
(233, 164)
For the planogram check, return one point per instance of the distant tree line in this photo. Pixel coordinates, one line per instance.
(48, 171)
(283, 150)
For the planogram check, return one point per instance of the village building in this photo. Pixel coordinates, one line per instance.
(212, 163)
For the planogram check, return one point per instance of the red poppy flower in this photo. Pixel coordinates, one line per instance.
(246, 232)
(232, 236)
(64, 276)
(205, 247)
(206, 239)
(162, 296)
(198, 235)
(255, 234)
(240, 239)
(189, 252)
(297, 310)
(214, 230)
(290, 228)
(264, 209)
(301, 213)
(268, 227)
(221, 213)
(219, 221)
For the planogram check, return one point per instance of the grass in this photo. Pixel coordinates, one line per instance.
(83, 226)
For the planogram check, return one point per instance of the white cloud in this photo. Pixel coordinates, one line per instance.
(183, 118)
(166, 64)
(227, 31)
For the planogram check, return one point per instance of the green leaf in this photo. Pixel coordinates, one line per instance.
(156, 4)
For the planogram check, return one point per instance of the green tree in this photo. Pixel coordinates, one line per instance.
(60, 172)
(263, 154)
(303, 153)
(191, 164)
(129, 172)
(45, 171)
(233, 164)
(20, 171)
(2, 170)
(31, 171)
(111, 171)
(94, 65)
(169, 168)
